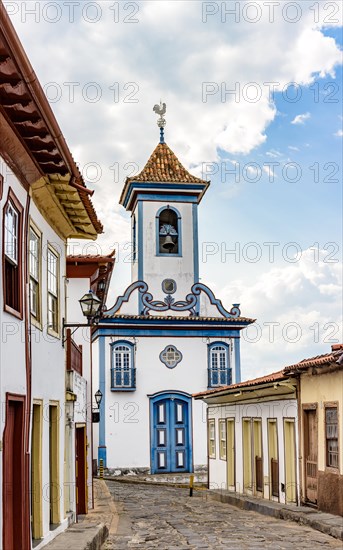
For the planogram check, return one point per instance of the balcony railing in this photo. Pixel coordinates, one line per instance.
(219, 377)
(123, 379)
(74, 354)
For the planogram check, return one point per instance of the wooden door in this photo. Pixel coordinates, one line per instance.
(311, 455)
(13, 477)
(55, 490)
(290, 461)
(36, 473)
(230, 452)
(171, 441)
(81, 471)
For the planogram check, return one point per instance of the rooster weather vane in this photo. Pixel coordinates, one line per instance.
(161, 122)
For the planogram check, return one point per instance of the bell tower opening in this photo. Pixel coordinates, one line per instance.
(168, 231)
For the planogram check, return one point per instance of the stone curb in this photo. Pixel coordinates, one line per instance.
(87, 537)
(93, 529)
(325, 523)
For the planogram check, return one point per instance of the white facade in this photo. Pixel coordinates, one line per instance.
(252, 439)
(46, 356)
(158, 343)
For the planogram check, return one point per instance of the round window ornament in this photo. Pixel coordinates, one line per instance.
(170, 356)
(169, 286)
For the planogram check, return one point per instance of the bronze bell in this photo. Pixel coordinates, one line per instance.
(168, 243)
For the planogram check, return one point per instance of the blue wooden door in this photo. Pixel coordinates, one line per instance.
(171, 441)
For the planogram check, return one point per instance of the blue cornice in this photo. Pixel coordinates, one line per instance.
(162, 187)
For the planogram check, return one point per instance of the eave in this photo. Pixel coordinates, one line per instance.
(34, 146)
(282, 389)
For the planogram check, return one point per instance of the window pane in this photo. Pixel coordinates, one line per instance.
(52, 272)
(11, 233)
(34, 255)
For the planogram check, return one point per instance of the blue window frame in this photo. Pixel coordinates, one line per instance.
(219, 370)
(123, 372)
(168, 232)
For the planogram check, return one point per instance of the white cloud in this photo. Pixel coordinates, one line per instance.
(292, 148)
(297, 307)
(339, 133)
(300, 119)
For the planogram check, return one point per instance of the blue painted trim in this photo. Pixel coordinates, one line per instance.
(237, 361)
(160, 186)
(134, 238)
(209, 362)
(140, 252)
(177, 392)
(157, 231)
(170, 332)
(175, 363)
(140, 285)
(147, 302)
(102, 453)
(131, 346)
(195, 243)
(168, 395)
(162, 197)
(102, 387)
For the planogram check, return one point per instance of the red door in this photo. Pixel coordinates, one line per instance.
(13, 476)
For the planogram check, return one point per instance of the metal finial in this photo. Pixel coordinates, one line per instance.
(161, 122)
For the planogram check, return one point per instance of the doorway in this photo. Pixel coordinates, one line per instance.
(36, 472)
(81, 469)
(13, 475)
(311, 455)
(171, 449)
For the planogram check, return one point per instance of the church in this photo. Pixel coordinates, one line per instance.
(168, 335)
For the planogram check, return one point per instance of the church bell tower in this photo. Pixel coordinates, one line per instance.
(163, 200)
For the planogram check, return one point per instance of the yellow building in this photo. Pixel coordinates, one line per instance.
(321, 429)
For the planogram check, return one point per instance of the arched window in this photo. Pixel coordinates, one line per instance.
(123, 373)
(168, 229)
(219, 371)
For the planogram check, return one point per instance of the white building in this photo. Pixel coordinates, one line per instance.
(44, 201)
(168, 335)
(252, 438)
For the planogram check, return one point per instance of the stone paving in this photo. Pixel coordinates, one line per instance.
(168, 519)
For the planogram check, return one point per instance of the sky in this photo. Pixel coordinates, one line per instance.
(254, 103)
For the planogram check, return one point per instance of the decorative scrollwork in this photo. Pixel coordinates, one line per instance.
(169, 304)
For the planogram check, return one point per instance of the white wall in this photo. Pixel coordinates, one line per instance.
(181, 269)
(269, 409)
(128, 414)
(47, 353)
(75, 289)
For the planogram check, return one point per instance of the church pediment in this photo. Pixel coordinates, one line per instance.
(201, 301)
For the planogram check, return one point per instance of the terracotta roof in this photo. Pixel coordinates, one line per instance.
(26, 109)
(90, 258)
(273, 377)
(164, 166)
(319, 360)
(101, 271)
(192, 318)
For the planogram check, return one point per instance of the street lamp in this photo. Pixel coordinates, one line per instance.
(98, 398)
(90, 305)
(96, 412)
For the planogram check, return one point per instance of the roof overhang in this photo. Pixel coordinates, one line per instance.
(158, 191)
(98, 269)
(278, 389)
(34, 147)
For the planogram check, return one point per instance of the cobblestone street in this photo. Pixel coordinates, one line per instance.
(167, 518)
